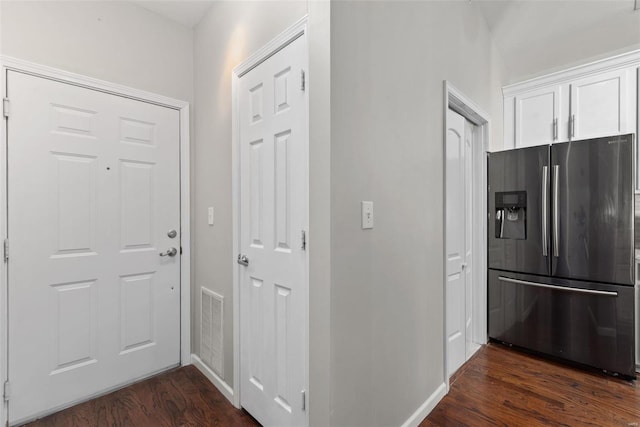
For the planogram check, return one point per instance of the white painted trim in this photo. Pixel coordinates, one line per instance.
(63, 76)
(9, 63)
(625, 60)
(185, 235)
(456, 100)
(425, 409)
(276, 44)
(290, 34)
(218, 382)
(4, 289)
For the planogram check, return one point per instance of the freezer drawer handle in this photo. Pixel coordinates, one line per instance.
(545, 210)
(558, 288)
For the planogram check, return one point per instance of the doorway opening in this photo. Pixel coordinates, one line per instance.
(466, 138)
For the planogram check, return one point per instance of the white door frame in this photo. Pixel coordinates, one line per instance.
(14, 64)
(296, 30)
(458, 102)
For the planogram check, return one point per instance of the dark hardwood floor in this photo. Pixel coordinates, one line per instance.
(182, 397)
(497, 387)
(503, 387)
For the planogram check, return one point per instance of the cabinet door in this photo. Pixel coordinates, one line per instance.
(537, 117)
(602, 105)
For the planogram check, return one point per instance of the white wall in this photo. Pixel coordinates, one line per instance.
(110, 40)
(226, 36)
(388, 63)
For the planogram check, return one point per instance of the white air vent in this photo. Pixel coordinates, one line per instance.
(211, 351)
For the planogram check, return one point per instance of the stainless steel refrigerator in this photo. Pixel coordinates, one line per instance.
(561, 251)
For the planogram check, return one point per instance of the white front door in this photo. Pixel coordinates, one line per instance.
(93, 191)
(273, 138)
(459, 239)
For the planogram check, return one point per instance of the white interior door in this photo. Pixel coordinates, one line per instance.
(93, 190)
(455, 242)
(273, 138)
(469, 270)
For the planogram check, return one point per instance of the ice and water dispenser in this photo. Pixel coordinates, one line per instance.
(511, 215)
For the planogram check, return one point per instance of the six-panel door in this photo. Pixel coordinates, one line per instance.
(273, 215)
(93, 189)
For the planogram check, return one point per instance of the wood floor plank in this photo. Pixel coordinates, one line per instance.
(497, 387)
(182, 397)
(505, 387)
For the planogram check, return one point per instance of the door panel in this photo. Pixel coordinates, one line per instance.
(594, 210)
(468, 234)
(455, 244)
(93, 188)
(273, 139)
(600, 105)
(595, 329)
(537, 117)
(515, 171)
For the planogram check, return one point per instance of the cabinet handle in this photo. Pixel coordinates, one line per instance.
(555, 129)
(573, 125)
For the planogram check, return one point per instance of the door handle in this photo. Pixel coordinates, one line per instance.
(545, 209)
(558, 288)
(243, 260)
(170, 252)
(556, 202)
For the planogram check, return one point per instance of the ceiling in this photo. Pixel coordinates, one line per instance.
(185, 12)
(515, 24)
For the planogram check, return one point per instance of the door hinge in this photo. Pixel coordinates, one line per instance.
(7, 391)
(304, 400)
(5, 107)
(303, 82)
(304, 240)
(6, 250)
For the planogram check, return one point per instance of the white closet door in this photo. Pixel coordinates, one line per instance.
(455, 242)
(93, 189)
(274, 181)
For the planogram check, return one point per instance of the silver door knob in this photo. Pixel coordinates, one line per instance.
(243, 260)
(170, 252)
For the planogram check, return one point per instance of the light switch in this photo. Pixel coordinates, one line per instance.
(210, 215)
(367, 215)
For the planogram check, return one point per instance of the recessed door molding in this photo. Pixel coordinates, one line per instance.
(461, 104)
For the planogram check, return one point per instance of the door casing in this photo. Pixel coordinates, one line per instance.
(283, 39)
(14, 64)
(458, 102)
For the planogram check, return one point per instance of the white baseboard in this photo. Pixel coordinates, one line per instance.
(222, 386)
(426, 408)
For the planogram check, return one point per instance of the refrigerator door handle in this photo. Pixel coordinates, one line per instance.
(558, 288)
(556, 202)
(545, 210)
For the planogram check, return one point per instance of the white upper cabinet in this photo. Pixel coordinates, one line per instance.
(603, 104)
(538, 117)
(589, 101)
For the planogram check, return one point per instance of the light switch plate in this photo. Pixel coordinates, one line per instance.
(367, 215)
(210, 217)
